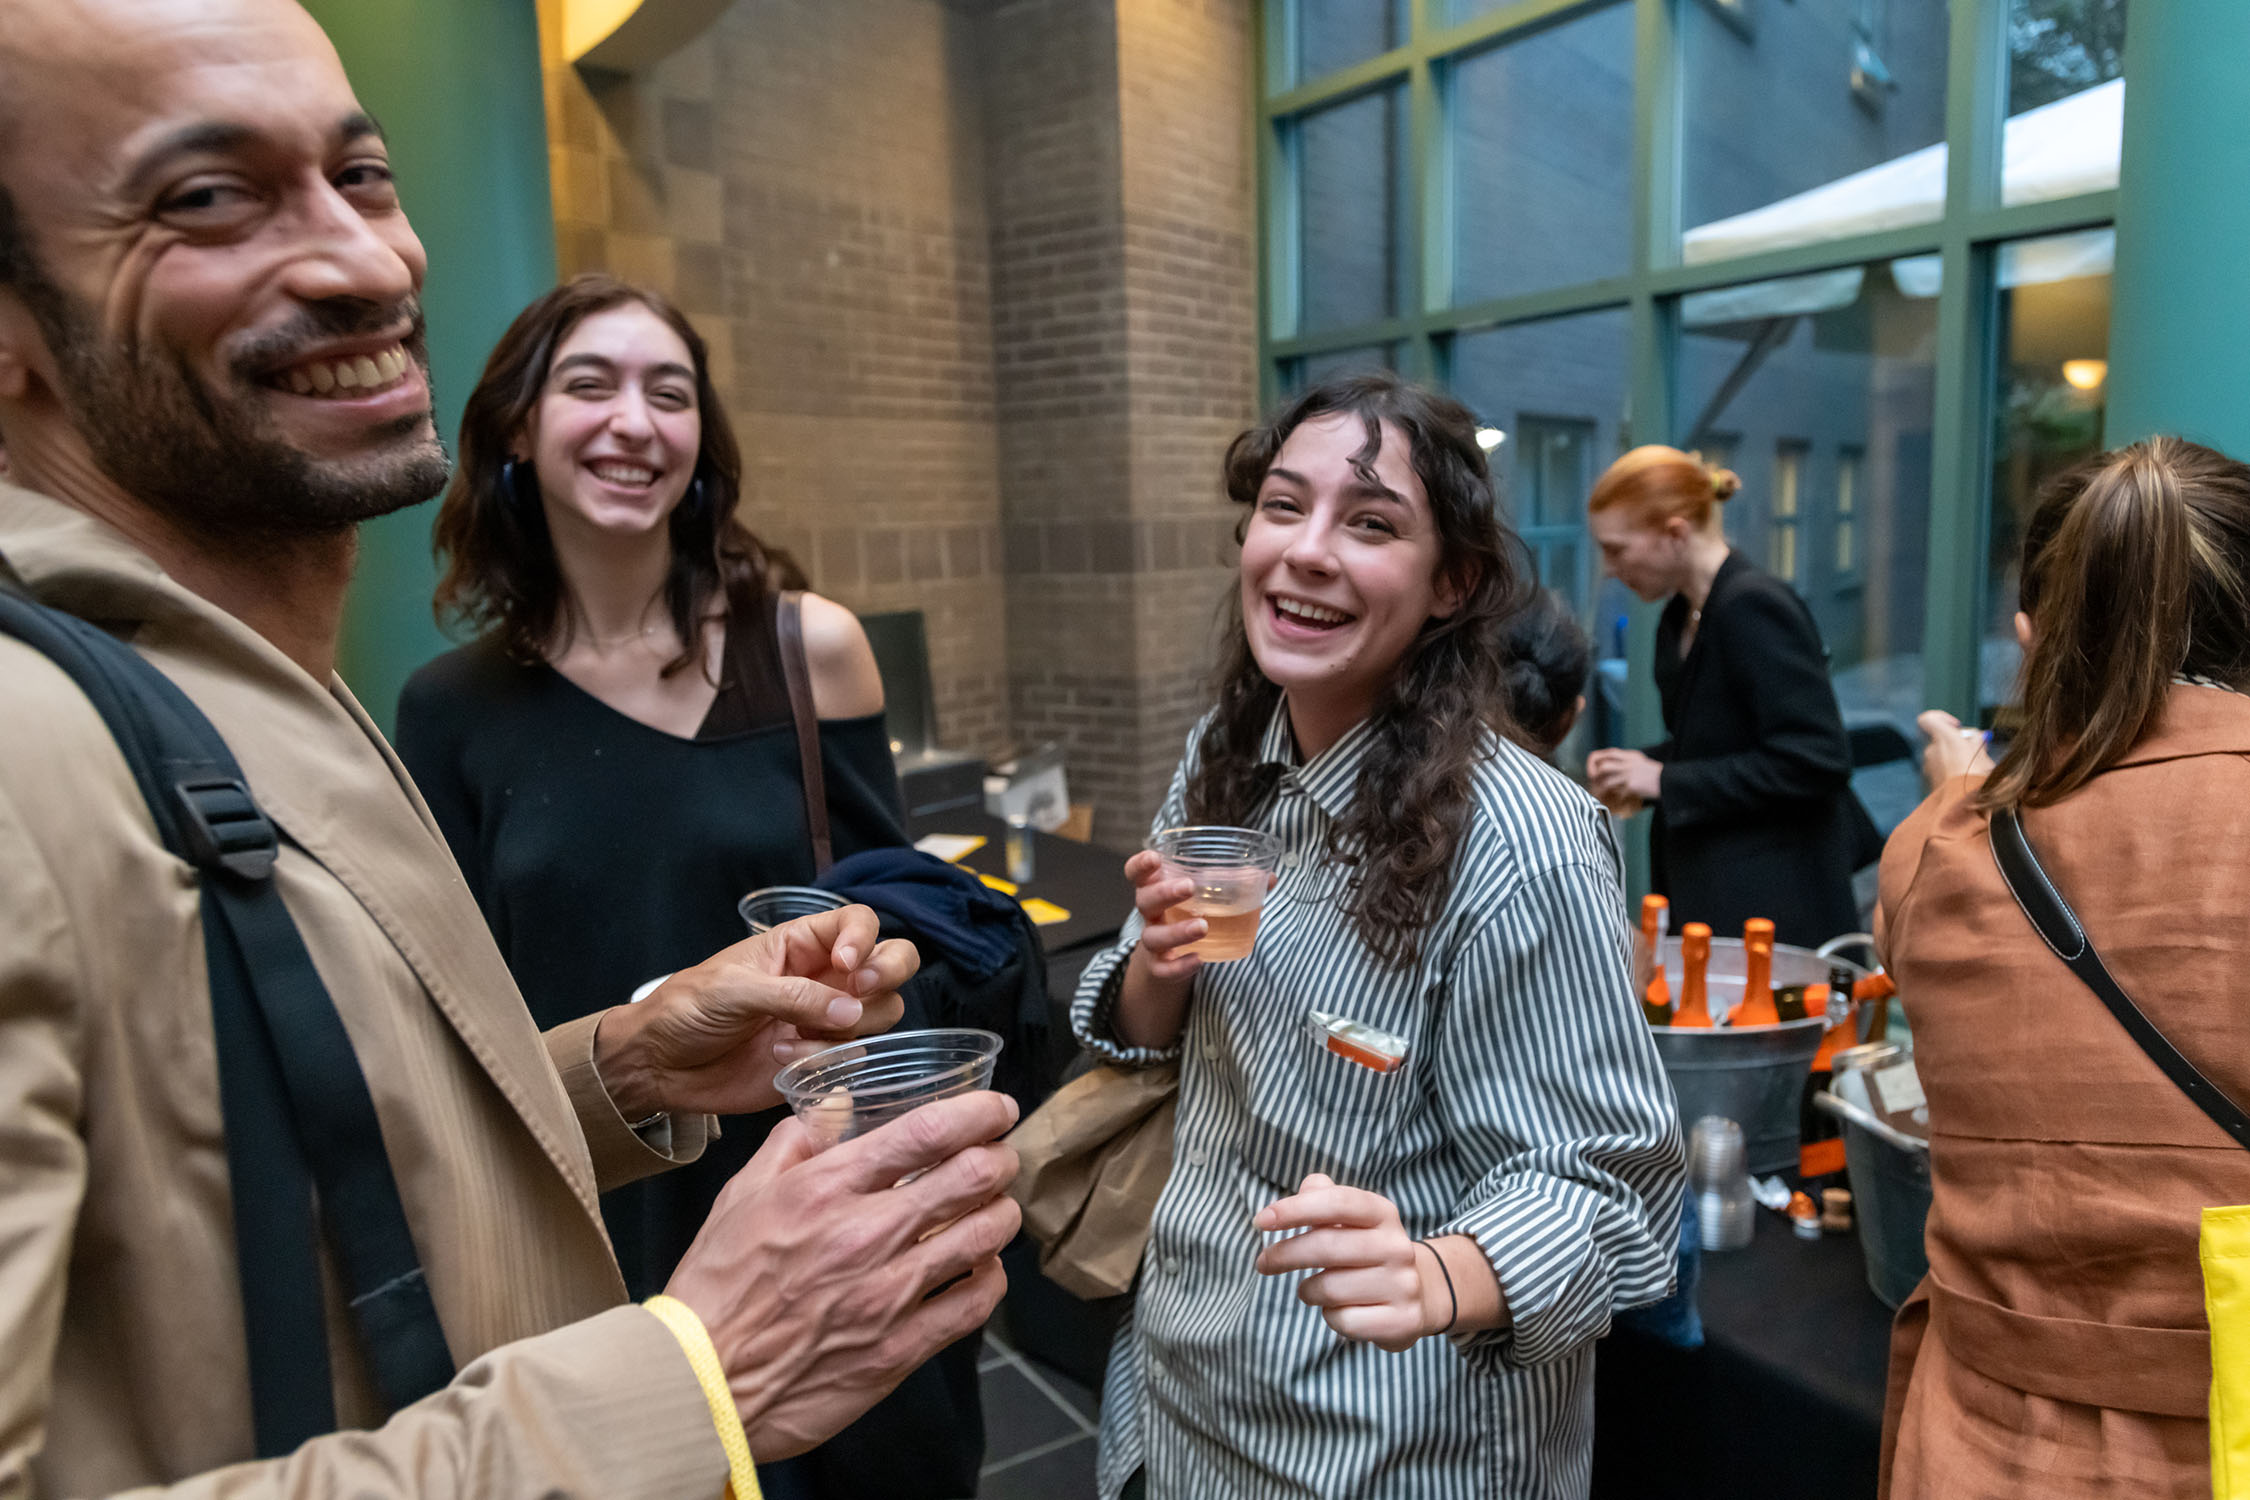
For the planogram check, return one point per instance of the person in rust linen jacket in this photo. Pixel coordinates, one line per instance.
(194, 214)
(2057, 1347)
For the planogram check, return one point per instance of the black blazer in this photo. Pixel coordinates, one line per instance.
(1757, 816)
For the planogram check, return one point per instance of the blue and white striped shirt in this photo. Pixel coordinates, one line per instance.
(1531, 1114)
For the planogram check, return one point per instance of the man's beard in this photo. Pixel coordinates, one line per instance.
(212, 461)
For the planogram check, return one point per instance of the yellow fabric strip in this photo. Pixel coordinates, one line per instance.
(2226, 1300)
(695, 1342)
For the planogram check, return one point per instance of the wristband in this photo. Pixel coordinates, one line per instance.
(695, 1341)
(1451, 1296)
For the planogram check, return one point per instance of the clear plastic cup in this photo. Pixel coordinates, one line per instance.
(767, 909)
(849, 1090)
(1231, 868)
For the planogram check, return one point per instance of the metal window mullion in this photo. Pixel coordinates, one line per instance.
(1799, 260)
(1431, 102)
(1423, 249)
(1509, 23)
(1265, 40)
(1976, 111)
(1654, 340)
(1371, 76)
(2033, 220)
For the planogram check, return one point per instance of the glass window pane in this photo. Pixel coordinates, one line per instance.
(1333, 34)
(1553, 395)
(1348, 174)
(2066, 98)
(2053, 328)
(1825, 386)
(1849, 461)
(1809, 121)
(1543, 159)
(1788, 478)
(1308, 370)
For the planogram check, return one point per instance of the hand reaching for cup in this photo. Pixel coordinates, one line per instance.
(1954, 749)
(710, 1039)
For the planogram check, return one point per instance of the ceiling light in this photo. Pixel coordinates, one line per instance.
(1489, 438)
(2086, 374)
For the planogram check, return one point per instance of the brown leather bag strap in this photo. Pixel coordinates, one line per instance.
(789, 619)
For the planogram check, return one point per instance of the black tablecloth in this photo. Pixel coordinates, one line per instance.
(1785, 1398)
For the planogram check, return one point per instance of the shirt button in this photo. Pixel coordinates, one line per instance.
(1211, 1049)
(1197, 1157)
(1289, 861)
(1172, 1266)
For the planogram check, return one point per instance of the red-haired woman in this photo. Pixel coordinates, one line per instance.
(1755, 815)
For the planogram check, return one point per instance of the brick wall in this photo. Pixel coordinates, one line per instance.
(806, 181)
(979, 286)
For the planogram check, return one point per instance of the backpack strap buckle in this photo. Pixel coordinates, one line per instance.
(224, 827)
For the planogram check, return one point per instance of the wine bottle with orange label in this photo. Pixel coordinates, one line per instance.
(1820, 1152)
(1648, 961)
(1695, 961)
(1756, 1008)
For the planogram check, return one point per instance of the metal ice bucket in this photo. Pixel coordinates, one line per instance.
(1890, 1176)
(1752, 1075)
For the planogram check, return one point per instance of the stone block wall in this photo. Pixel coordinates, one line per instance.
(979, 286)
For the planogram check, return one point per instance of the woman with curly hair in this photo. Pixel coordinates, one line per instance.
(1470, 1218)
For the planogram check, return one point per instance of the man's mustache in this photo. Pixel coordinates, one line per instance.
(276, 349)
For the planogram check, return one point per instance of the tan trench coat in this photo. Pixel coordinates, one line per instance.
(2058, 1346)
(122, 1359)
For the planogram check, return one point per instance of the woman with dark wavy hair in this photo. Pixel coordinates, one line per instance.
(1463, 1221)
(614, 759)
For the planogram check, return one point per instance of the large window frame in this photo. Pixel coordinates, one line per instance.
(1975, 223)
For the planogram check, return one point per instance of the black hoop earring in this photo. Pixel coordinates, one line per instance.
(519, 486)
(692, 504)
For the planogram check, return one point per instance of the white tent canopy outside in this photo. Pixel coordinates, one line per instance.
(2058, 150)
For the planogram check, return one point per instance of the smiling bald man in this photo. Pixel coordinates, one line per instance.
(211, 369)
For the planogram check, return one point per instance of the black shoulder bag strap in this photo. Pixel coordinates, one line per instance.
(789, 620)
(2058, 926)
(298, 1115)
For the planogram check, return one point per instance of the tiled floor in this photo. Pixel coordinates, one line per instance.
(1038, 1427)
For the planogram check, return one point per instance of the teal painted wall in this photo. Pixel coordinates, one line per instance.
(2179, 343)
(456, 86)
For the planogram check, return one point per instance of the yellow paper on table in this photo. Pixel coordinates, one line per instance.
(950, 847)
(2226, 1303)
(1004, 887)
(1043, 913)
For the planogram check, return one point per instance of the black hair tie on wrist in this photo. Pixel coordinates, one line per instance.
(1451, 1296)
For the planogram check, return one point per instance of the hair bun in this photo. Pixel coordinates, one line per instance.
(1724, 482)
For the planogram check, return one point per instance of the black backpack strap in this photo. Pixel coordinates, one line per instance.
(296, 1104)
(2059, 928)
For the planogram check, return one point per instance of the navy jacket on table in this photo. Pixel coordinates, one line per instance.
(1757, 816)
